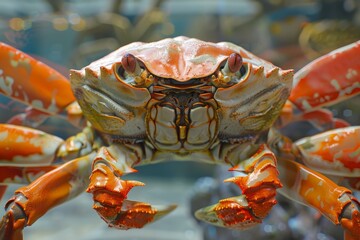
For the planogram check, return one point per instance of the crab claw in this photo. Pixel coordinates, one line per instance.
(109, 195)
(230, 213)
(258, 194)
(131, 214)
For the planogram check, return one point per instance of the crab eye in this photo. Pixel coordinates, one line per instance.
(131, 71)
(232, 71)
(235, 62)
(128, 69)
(234, 67)
(129, 63)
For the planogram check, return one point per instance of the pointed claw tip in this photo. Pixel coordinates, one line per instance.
(162, 210)
(132, 170)
(135, 183)
(234, 168)
(232, 179)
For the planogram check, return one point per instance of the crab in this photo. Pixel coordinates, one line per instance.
(179, 99)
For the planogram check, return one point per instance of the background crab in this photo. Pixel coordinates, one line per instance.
(179, 99)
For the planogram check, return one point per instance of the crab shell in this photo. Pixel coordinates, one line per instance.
(247, 107)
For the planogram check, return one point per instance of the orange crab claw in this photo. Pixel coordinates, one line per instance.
(328, 79)
(231, 212)
(131, 214)
(32, 82)
(258, 194)
(109, 195)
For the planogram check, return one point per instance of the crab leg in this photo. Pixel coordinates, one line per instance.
(2, 190)
(22, 175)
(259, 191)
(327, 80)
(30, 118)
(23, 146)
(323, 119)
(335, 152)
(32, 82)
(33, 201)
(26, 146)
(310, 188)
(110, 191)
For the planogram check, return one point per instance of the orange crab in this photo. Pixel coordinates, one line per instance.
(179, 99)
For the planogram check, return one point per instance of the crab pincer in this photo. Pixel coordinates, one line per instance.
(110, 193)
(258, 196)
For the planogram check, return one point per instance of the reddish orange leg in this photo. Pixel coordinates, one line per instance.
(33, 201)
(110, 191)
(313, 189)
(337, 153)
(259, 191)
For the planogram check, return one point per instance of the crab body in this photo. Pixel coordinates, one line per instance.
(181, 104)
(179, 99)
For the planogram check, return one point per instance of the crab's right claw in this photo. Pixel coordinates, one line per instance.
(109, 195)
(131, 214)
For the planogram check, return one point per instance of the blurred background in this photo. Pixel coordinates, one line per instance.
(69, 34)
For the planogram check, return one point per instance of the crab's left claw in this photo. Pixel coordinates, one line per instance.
(258, 194)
